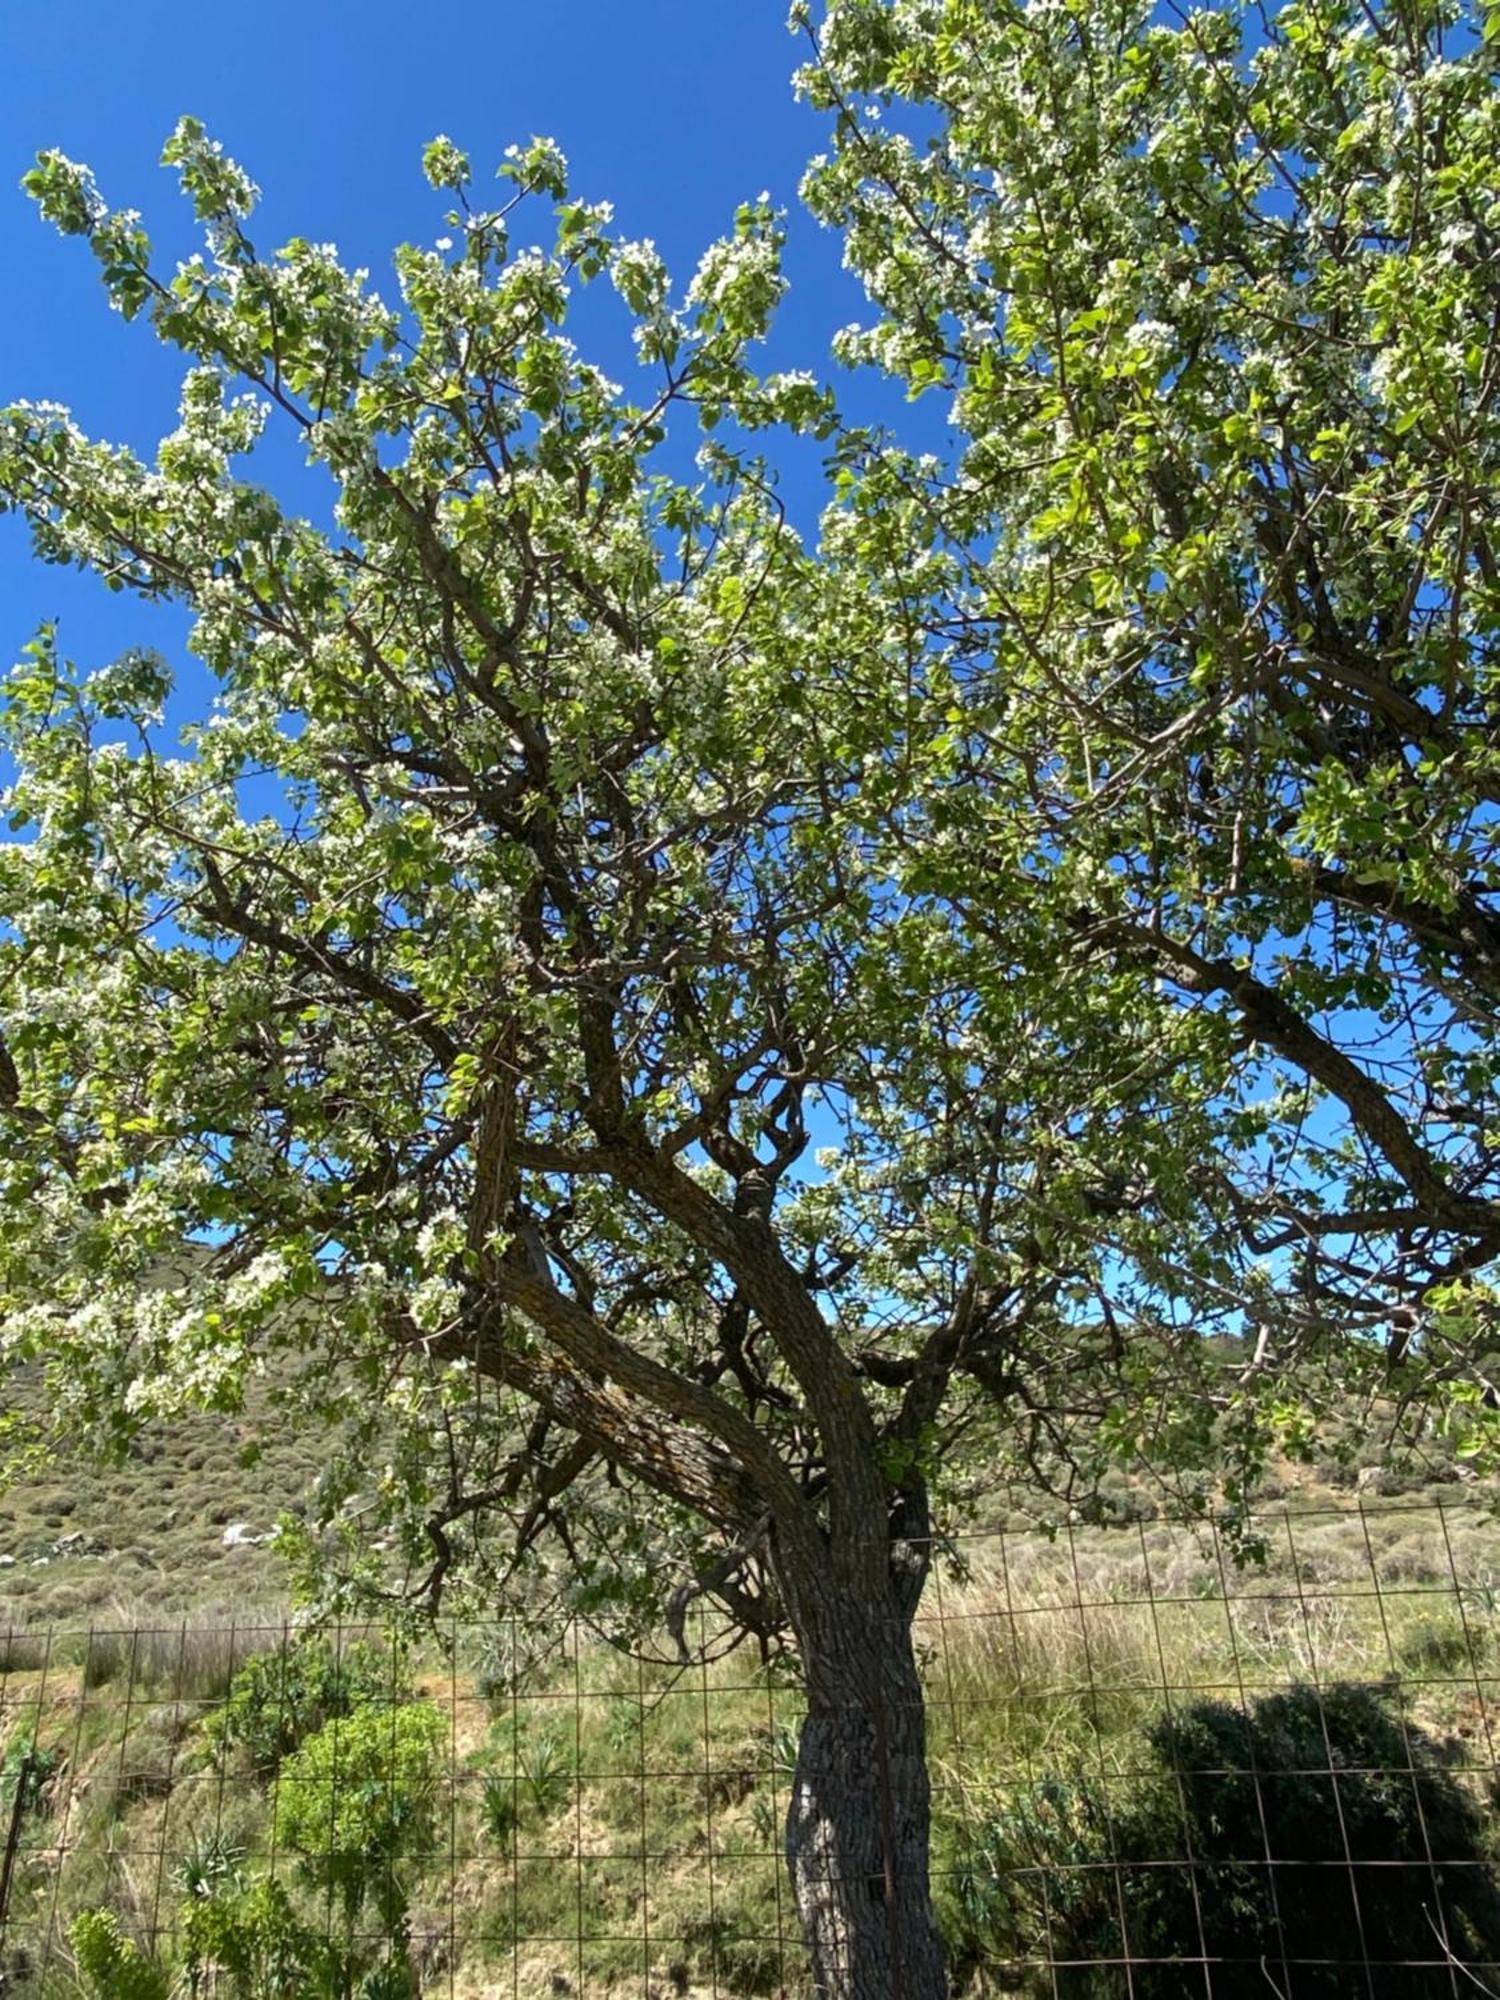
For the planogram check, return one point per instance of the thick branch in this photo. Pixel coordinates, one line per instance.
(234, 915)
(1272, 1020)
(630, 1395)
(665, 1455)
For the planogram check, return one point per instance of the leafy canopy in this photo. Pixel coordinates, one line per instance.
(614, 1001)
(1213, 294)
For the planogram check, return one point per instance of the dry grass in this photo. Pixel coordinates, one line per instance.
(193, 1659)
(151, 1527)
(1055, 1657)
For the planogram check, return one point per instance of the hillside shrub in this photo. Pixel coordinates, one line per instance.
(359, 1798)
(247, 1939)
(247, 1942)
(1377, 1855)
(279, 1698)
(110, 1965)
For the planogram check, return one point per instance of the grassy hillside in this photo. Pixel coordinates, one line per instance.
(143, 1541)
(612, 1828)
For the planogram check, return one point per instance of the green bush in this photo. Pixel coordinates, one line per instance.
(1376, 1849)
(278, 1699)
(353, 1802)
(250, 1943)
(359, 1797)
(1022, 1883)
(110, 1965)
(248, 1940)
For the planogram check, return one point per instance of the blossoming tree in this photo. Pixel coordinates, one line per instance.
(678, 1038)
(1216, 294)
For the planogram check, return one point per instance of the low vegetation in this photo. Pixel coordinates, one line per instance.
(211, 1801)
(141, 1542)
(274, 1814)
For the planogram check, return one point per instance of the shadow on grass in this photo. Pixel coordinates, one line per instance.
(1313, 1844)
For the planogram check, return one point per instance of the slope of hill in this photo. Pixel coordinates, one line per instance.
(170, 1531)
(173, 1530)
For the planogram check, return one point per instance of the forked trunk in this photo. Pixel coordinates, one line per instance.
(858, 1826)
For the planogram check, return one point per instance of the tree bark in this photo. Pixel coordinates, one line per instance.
(859, 1823)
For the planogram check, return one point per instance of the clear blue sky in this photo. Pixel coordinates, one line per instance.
(674, 110)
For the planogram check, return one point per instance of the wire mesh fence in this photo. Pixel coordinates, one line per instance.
(1154, 1772)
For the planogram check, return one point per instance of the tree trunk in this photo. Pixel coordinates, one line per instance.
(858, 1826)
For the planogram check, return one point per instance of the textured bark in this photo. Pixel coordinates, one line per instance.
(858, 1827)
